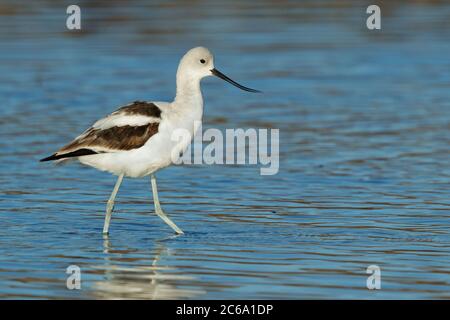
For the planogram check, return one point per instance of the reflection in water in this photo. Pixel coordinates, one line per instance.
(140, 282)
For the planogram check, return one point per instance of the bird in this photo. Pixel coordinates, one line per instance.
(135, 140)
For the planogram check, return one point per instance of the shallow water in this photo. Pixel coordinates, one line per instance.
(364, 119)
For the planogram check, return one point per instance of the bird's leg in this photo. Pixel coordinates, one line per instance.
(158, 209)
(110, 204)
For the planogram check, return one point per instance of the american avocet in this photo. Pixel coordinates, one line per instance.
(135, 141)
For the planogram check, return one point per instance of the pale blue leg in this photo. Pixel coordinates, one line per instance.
(158, 209)
(110, 204)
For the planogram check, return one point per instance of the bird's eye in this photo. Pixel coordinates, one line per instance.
(202, 61)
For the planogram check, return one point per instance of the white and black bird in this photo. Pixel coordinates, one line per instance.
(136, 140)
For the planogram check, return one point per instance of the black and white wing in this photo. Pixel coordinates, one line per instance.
(128, 128)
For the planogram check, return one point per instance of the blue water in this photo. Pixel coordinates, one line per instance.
(364, 120)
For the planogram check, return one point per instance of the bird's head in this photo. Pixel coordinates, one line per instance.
(198, 63)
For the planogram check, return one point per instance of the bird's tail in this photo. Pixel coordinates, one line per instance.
(76, 153)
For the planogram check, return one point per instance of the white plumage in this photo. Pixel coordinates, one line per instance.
(157, 151)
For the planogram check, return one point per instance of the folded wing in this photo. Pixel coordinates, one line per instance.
(128, 128)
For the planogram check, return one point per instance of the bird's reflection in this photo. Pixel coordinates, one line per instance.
(154, 281)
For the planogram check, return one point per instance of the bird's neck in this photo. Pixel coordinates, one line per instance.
(189, 92)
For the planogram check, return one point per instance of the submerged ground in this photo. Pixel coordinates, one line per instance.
(364, 119)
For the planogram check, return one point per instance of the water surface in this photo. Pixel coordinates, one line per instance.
(364, 119)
